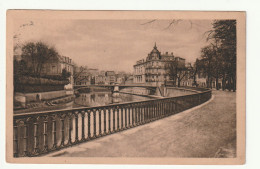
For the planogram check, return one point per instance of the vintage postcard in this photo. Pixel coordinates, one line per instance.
(125, 87)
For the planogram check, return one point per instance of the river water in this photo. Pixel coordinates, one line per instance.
(105, 98)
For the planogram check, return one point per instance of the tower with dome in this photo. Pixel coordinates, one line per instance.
(152, 70)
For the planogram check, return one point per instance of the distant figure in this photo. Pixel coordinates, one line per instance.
(38, 97)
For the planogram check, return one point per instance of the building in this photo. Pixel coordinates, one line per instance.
(102, 79)
(153, 70)
(129, 80)
(111, 77)
(120, 78)
(82, 76)
(55, 65)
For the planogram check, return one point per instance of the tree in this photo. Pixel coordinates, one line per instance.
(193, 70)
(35, 55)
(207, 62)
(223, 36)
(78, 75)
(176, 71)
(65, 74)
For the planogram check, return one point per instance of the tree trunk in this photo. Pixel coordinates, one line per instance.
(210, 83)
(229, 83)
(223, 82)
(179, 82)
(234, 83)
(217, 87)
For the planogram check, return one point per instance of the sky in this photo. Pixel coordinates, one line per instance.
(115, 44)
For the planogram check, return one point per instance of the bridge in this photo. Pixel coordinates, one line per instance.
(113, 86)
(117, 87)
(44, 132)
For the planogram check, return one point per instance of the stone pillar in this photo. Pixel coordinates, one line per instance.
(116, 91)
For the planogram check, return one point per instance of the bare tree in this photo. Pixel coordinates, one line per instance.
(79, 74)
(177, 72)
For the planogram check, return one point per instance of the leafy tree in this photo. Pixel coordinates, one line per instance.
(65, 74)
(35, 55)
(223, 37)
(193, 71)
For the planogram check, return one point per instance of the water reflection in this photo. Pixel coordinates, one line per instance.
(105, 98)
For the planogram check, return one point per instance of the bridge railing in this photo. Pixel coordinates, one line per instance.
(40, 133)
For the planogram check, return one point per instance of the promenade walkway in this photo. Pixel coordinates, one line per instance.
(208, 130)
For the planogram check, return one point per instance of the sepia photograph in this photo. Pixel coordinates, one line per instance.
(138, 87)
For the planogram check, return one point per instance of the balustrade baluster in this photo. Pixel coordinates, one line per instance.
(174, 106)
(105, 121)
(157, 110)
(132, 111)
(25, 140)
(94, 122)
(83, 126)
(62, 132)
(125, 117)
(99, 120)
(167, 108)
(129, 117)
(151, 112)
(114, 118)
(117, 110)
(76, 127)
(15, 137)
(89, 133)
(154, 110)
(171, 105)
(54, 146)
(35, 135)
(70, 129)
(109, 121)
(146, 113)
(161, 110)
(141, 114)
(153, 107)
(136, 109)
(133, 115)
(137, 115)
(122, 119)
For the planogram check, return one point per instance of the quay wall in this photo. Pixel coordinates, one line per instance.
(31, 97)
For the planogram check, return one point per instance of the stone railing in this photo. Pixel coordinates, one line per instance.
(43, 132)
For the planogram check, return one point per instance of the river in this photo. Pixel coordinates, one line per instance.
(92, 99)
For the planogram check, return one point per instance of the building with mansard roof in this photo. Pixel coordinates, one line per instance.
(152, 70)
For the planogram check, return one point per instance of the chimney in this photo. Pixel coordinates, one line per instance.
(166, 53)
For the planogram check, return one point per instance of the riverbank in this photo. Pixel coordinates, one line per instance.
(52, 104)
(204, 131)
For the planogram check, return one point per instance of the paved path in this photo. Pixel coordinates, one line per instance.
(208, 130)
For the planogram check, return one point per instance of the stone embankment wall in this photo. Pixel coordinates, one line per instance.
(23, 98)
